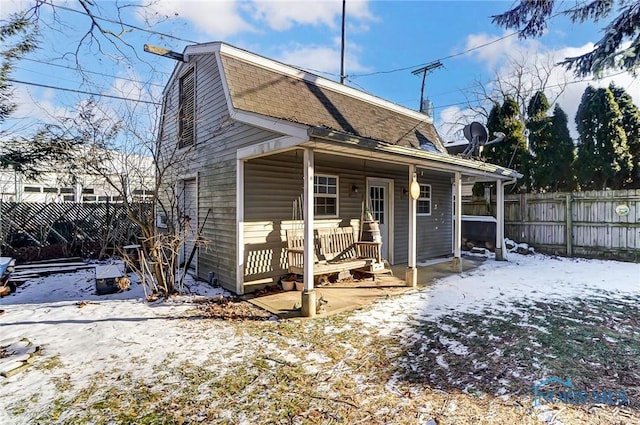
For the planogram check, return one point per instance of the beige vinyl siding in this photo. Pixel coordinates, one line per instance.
(217, 191)
(213, 160)
(434, 232)
(273, 183)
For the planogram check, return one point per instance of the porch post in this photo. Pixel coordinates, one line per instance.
(308, 294)
(499, 220)
(239, 227)
(456, 265)
(411, 275)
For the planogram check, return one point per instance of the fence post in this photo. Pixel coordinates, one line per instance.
(569, 224)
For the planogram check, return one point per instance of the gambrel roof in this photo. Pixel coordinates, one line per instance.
(267, 92)
(288, 100)
(263, 86)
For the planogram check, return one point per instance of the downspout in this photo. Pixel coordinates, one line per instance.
(456, 265)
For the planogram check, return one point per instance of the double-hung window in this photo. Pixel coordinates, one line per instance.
(424, 201)
(325, 195)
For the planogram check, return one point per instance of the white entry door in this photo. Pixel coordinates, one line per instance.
(379, 203)
(188, 208)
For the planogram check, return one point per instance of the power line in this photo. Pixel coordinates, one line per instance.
(551, 86)
(124, 24)
(82, 92)
(437, 60)
(90, 72)
(456, 54)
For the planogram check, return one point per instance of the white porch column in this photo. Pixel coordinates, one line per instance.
(239, 226)
(457, 223)
(499, 220)
(411, 275)
(308, 294)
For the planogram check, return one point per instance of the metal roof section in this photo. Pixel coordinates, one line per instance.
(419, 157)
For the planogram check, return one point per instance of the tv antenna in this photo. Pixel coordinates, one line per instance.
(344, 18)
(424, 70)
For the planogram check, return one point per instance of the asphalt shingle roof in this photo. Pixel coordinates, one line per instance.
(254, 88)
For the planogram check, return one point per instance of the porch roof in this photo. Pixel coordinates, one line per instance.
(473, 170)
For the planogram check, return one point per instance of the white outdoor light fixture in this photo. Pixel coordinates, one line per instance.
(414, 188)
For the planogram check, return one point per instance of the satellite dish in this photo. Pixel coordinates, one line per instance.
(476, 134)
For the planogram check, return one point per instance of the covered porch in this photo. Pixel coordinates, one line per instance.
(358, 164)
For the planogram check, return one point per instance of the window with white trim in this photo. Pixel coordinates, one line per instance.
(424, 201)
(325, 195)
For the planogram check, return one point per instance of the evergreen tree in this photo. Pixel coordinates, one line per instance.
(539, 126)
(631, 124)
(561, 152)
(603, 159)
(620, 43)
(17, 39)
(512, 151)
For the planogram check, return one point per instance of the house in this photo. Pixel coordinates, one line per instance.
(132, 173)
(273, 148)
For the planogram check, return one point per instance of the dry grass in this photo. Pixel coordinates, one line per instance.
(336, 371)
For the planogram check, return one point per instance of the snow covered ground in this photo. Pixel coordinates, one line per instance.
(530, 277)
(83, 336)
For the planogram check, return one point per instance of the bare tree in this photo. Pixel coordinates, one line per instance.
(520, 78)
(118, 140)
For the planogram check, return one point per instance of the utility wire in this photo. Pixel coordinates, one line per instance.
(459, 53)
(551, 86)
(441, 59)
(82, 92)
(89, 72)
(135, 27)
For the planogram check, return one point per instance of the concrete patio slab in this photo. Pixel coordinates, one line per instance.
(350, 295)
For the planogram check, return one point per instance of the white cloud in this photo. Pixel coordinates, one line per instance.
(452, 120)
(220, 18)
(322, 58)
(224, 18)
(32, 112)
(494, 51)
(562, 85)
(282, 15)
(13, 6)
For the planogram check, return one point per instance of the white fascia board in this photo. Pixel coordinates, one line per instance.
(272, 124)
(201, 49)
(269, 147)
(225, 86)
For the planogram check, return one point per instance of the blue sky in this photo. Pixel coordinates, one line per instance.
(386, 40)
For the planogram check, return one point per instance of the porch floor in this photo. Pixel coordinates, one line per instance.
(351, 295)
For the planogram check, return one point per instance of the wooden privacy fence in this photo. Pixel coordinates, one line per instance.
(31, 231)
(597, 224)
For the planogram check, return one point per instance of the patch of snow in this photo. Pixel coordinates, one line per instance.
(448, 328)
(454, 346)
(441, 362)
(317, 357)
(85, 331)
